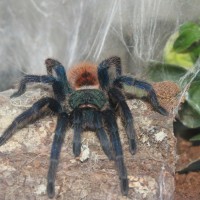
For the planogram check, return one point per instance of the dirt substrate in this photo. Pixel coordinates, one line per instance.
(187, 185)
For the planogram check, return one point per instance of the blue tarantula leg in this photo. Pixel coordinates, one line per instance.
(119, 99)
(111, 124)
(30, 115)
(77, 125)
(62, 123)
(103, 70)
(34, 79)
(60, 73)
(101, 134)
(144, 86)
(57, 86)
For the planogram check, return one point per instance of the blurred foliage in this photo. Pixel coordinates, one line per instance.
(183, 47)
(181, 65)
(181, 57)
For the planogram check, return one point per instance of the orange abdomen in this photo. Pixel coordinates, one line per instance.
(83, 74)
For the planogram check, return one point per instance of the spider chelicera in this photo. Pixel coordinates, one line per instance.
(86, 98)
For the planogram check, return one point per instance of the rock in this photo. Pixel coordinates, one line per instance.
(24, 159)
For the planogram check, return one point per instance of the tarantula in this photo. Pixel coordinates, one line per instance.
(87, 97)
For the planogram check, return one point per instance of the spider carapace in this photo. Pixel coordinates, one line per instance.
(87, 97)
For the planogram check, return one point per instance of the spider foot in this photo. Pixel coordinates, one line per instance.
(2, 140)
(76, 149)
(124, 186)
(16, 94)
(50, 190)
(122, 175)
(132, 146)
(162, 111)
(110, 156)
(8, 133)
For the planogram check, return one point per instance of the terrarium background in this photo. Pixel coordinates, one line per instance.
(72, 31)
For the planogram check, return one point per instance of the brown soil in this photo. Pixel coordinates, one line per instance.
(187, 185)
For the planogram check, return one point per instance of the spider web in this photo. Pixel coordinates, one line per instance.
(74, 31)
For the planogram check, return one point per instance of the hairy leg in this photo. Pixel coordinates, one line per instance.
(57, 86)
(111, 124)
(60, 73)
(103, 70)
(119, 99)
(144, 86)
(101, 134)
(29, 115)
(62, 123)
(78, 128)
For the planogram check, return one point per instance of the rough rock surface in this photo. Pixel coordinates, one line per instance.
(24, 159)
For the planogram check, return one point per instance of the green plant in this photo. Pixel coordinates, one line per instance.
(181, 64)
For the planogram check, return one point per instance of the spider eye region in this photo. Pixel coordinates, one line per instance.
(93, 97)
